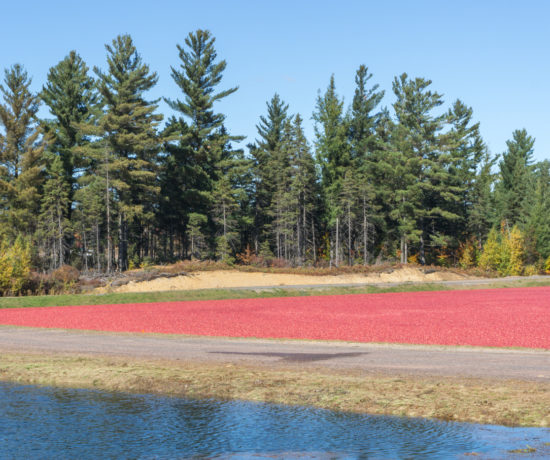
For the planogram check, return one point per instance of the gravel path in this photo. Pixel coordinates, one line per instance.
(369, 358)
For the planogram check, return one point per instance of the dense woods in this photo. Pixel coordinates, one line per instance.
(106, 183)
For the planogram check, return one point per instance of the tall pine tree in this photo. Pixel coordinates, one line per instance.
(130, 125)
(21, 155)
(512, 190)
(333, 155)
(198, 140)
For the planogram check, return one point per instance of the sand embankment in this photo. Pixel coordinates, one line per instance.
(234, 279)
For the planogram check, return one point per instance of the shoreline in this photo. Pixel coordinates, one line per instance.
(510, 402)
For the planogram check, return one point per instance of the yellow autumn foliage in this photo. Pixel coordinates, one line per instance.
(490, 257)
(468, 254)
(15, 266)
(504, 252)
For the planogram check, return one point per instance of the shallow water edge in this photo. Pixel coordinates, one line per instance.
(509, 402)
(97, 424)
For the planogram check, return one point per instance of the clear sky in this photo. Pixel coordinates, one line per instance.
(491, 54)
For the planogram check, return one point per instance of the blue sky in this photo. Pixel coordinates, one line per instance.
(491, 54)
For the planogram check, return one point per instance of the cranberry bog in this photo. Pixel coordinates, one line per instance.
(512, 317)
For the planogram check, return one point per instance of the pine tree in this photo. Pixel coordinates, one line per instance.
(196, 226)
(363, 119)
(54, 222)
(333, 155)
(89, 220)
(130, 124)
(512, 190)
(365, 149)
(266, 157)
(467, 151)
(283, 209)
(537, 222)
(21, 151)
(349, 193)
(432, 194)
(72, 98)
(198, 140)
(481, 216)
(304, 189)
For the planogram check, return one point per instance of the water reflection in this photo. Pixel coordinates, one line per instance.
(48, 423)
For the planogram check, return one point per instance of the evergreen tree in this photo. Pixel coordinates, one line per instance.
(430, 197)
(283, 209)
(90, 219)
(71, 96)
(21, 151)
(333, 155)
(467, 150)
(349, 193)
(512, 190)
(365, 149)
(196, 234)
(537, 223)
(198, 139)
(305, 190)
(266, 157)
(54, 222)
(482, 214)
(363, 119)
(130, 124)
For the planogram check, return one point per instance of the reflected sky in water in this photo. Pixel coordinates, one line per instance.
(64, 423)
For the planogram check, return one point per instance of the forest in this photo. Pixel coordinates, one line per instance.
(106, 183)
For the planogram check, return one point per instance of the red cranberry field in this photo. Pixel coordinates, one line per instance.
(517, 317)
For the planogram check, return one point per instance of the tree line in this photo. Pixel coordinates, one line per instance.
(106, 183)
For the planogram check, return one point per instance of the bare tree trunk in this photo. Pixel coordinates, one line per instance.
(224, 223)
(313, 241)
(336, 259)
(60, 236)
(349, 236)
(298, 251)
(404, 250)
(122, 242)
(422, 250)
(278, 234)
(85, 251)
(365, 233)
(108, 211)
(304, 227)
(98, 254)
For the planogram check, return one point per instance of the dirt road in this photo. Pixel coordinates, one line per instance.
(522, 364)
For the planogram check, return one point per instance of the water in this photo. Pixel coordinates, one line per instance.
(64, 423)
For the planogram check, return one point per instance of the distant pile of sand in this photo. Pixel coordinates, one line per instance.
(235, 279)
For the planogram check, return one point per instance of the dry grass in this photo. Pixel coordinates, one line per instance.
(473, 400)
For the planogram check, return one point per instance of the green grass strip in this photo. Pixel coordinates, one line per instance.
(217, 294)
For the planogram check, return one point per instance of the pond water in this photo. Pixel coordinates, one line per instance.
(38, 422)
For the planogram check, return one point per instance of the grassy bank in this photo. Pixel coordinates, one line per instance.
(472, 400)
(215, 294)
